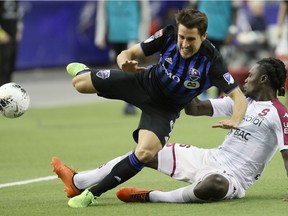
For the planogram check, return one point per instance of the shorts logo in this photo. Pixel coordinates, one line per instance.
(103, 74)
(229, 79)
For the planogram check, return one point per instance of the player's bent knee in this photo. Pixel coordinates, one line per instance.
(83, 85)
(213, 187)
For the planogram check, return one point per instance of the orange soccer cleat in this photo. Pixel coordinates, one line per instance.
(66, 175)
(131, 194)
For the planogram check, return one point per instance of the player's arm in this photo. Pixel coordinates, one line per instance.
(126, 60)
(239, 109)
(197, 107)
(285, 159)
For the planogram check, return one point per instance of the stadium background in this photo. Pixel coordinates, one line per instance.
(52, 38)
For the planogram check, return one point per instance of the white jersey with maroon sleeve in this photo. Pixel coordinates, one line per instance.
(247, 150)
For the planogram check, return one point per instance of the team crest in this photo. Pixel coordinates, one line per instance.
(103, 74)
(228, 78)
(194, 74)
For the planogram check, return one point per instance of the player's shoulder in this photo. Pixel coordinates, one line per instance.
(170, 31)
(209, 50)
(281, 109)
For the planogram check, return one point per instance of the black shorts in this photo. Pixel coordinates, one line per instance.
(133, 88)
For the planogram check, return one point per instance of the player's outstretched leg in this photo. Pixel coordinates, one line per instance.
(66, 174)
(132, 194)
(85, 199)
(76, 68)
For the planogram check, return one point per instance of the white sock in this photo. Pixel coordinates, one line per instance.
(86, 179)
(174, 196)
(189, 196)
(180, 195)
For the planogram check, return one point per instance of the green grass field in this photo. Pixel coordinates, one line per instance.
(85, 136)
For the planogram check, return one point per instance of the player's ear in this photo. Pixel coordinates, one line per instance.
(204, 36)
(264, 78)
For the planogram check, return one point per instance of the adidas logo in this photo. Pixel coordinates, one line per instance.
(169, 60)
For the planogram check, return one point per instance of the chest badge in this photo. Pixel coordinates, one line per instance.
(194, 76)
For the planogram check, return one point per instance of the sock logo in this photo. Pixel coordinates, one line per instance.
(118, 178)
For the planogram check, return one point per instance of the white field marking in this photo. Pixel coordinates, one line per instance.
(11, 184)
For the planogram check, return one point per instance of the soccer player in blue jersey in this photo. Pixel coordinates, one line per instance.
(188, 65)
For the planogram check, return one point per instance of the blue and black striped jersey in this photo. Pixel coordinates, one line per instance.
(177, 80)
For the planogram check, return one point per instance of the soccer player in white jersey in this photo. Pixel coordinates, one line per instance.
(220, 173)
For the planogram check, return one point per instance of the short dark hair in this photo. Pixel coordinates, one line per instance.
(192, 18)
(276, 72)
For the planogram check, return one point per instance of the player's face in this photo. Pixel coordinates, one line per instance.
(189, 41)
(251, 86)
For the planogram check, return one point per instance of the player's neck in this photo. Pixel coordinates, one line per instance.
(265, 95)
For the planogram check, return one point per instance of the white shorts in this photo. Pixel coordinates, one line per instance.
(192, 164)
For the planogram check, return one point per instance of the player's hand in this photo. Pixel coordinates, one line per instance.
(226, 124)
(131, 66)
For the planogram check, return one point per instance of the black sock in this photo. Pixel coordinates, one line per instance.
(121, 172)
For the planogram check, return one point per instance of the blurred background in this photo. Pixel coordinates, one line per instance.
(55, 33)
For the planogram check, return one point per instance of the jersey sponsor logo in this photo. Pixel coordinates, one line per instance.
(285, 115)
(241, 134)
(155, 36)
(228, 78)
(256, 120)
(171, 75)
(189, 84)
(103, 74)
(285, 127)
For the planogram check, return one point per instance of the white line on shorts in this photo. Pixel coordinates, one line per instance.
(11, 184)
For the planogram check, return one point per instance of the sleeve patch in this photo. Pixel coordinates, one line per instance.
(155, 36)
